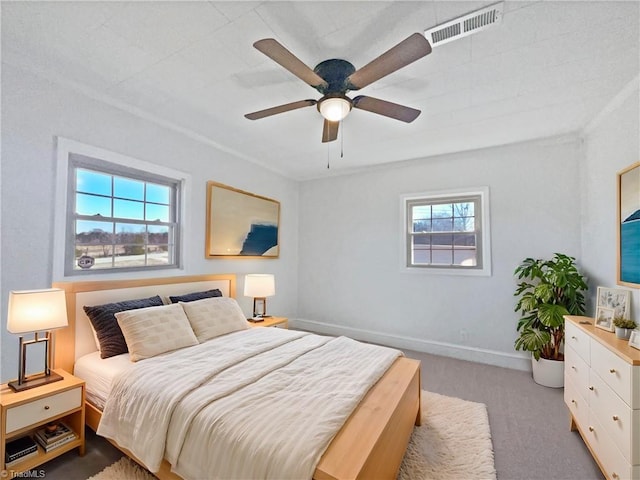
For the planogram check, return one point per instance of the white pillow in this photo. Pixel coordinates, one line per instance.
(212, 317)
(154, 330)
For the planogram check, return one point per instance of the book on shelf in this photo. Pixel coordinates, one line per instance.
(19, 459)
(47, 447)
(18, 448)
(54, 432)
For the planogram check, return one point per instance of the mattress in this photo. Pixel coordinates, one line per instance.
(98, 374)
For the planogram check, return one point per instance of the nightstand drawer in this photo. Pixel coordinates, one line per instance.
(39, 410)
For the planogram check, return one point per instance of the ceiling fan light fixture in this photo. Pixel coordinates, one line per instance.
(334, 109)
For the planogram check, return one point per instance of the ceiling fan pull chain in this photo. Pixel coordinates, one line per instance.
(341, 140)
(328, 156)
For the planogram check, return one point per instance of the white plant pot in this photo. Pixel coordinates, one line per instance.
(549, 373)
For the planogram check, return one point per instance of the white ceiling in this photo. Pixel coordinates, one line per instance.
(546, 70)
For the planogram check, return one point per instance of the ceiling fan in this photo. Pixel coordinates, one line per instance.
(335, 77)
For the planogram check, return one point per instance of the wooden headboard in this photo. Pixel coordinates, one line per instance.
(77, 339)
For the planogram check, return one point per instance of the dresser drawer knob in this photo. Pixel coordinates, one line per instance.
(573, 337)
(574, 402)
(591, 388)
(574, 368)
(615, 475)
(615, 418)
(46, 407)
(591, 429)
(612, 370)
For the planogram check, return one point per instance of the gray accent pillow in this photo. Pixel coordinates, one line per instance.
(106, 326)
(192, 297)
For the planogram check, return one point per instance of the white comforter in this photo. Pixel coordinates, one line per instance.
(260, 403)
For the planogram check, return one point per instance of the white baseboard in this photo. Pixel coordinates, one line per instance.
(461, 352)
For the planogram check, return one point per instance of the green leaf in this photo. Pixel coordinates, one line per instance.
(552, 315)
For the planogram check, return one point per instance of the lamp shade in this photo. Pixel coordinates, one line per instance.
(259, 285)
(36, 310)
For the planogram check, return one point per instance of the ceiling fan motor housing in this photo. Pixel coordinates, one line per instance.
(335, 72)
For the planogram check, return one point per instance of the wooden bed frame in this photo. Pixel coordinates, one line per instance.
(372, 442)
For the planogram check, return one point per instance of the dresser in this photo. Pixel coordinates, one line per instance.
(602, 392)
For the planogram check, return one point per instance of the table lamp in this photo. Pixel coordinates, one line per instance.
(259, 286)
(35, 311)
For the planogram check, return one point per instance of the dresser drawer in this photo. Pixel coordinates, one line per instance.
(578, 340)
(613, 370)
(576, 403)
(622, 423)
(613, 462)
(42, 409)
(577, 370)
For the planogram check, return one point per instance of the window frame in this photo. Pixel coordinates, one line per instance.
(482, 227)
(72, 155)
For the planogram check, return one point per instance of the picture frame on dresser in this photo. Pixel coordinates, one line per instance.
(604, 318)
(629, 226)
(617, 299)
(634, 339)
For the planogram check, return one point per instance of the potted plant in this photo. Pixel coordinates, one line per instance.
(624, 327)
(548, 290)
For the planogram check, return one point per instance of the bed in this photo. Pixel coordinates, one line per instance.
(372, 441)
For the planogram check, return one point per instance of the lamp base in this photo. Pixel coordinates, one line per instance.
(35, 381)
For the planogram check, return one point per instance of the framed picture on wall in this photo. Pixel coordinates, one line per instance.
(629, 226)
(241, 224)
(604, 318)
(616, 299)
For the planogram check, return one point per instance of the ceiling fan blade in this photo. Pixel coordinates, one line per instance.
(408, 51)
(388, 109)
(276, 52)
(280, 109)
(329, 131)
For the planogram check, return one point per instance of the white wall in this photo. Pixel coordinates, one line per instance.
(611, 143)
(350, 276)
(34, 111)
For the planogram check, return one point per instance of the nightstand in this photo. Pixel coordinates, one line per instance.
(277, 322)
(24, 412)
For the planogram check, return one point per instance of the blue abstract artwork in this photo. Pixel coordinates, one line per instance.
(241, 224)
(629, 192)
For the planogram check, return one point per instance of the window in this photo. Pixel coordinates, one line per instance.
(447, 232)
(118, 218)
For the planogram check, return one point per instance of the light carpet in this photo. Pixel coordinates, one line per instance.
(453, 443)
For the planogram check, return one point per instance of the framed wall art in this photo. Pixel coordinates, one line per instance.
(241, 224)
(629, 226)
(616, 299)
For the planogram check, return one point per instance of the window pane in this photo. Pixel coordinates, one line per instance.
(464, 224)
(158, 193)
(158, 235)
(93, 244)
(158, 255)
(157, 212)
(93, 182)
(421, 249)
(93, 205)
(442, 224)
(443, 210)
(128, 188)
(93, 233)
(464, 209)
(128, 209)
(127, 233)
(421, 226)
(130, 256)
(420, 212)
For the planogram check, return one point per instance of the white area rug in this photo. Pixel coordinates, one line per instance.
(453, 443)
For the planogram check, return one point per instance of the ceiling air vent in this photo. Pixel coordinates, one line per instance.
(466, 25)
